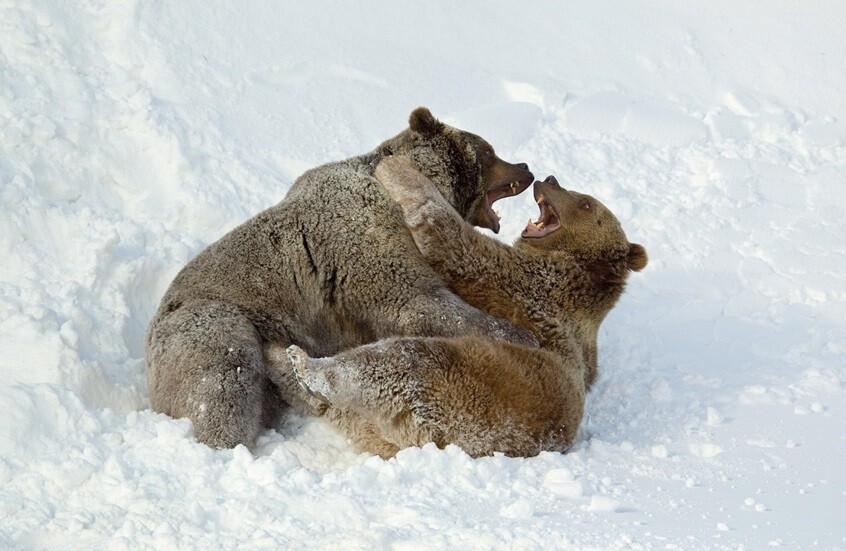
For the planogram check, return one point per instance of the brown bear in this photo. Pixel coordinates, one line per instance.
(559, 280)
(330, 267)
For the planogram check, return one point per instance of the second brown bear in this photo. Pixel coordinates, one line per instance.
(559, 280)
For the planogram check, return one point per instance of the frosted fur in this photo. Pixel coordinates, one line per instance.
(483, 395)
(330, 267)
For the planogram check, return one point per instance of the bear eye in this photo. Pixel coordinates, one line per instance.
(585, 205)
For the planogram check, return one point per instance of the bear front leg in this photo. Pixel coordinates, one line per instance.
(459, 254)
(441, 313)
(428, 215)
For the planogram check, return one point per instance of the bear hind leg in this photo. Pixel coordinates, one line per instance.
(205, 363)
(383, 387)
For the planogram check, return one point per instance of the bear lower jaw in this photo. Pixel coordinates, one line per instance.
(547, 222)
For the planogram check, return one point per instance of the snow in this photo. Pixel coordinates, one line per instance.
(135, 133)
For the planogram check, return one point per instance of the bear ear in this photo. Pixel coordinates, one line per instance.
(423, 122)
(636, 258)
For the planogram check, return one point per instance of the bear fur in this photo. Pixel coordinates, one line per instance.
(559, 280)
(330, 267)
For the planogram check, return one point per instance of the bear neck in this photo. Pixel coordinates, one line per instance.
(587, 289)
(600, 283)
(577, 286)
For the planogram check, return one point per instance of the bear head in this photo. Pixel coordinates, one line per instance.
(583, 229)
(463, 166)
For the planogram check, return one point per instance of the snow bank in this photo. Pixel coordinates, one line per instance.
(135, 133)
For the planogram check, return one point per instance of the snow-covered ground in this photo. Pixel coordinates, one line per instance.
(135, 133)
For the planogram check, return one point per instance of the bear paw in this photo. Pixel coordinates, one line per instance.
(404, 183)
(310, 381)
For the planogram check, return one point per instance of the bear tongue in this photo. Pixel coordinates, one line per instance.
(532, 229)
(538, 229)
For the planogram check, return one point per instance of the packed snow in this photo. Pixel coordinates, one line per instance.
(135, 133)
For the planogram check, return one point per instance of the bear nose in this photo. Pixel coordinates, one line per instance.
(524, 166)
(551, 180)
